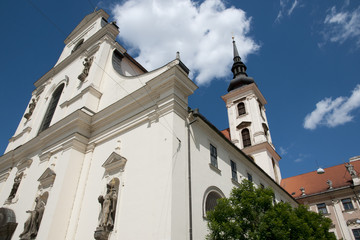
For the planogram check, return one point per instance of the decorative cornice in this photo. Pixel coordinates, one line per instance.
(234, 94)
(262, 146)
(90, 89)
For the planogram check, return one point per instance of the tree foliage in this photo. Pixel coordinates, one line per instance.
(250, 213)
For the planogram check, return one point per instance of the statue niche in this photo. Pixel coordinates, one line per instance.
(108, 210)
(32, 224)
(17, 181)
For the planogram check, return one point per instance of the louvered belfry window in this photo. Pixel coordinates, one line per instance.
(246, 137)
(241, 108)
(51, 108)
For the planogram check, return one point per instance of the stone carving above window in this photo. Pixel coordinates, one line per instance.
(114, 163)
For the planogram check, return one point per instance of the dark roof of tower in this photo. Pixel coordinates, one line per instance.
(240, 77)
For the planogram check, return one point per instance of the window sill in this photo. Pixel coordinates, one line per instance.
(235, 182)
(349, 210)
(218, 171)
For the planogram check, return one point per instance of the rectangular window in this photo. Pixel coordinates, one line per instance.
(322, 208)
(356, 233)
(233, 171)
(213, 156)
(347, 204)
(249, 177)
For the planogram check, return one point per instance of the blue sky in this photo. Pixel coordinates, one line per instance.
(303, 55)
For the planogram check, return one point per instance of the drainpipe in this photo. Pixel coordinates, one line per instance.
(189, 176)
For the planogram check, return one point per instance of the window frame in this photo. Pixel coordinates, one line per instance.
(245, 136)
(346, 203)
(322, 208)
(357, 235)
(207, 192)
(250, 177)
(241, 109)
(213, 156)
(233, 171)
(51, 109)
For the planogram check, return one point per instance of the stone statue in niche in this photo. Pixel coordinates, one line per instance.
(15, 186)
(350, 169)
(32, 224)
(87, 64)
(32, 106)
(107, 214)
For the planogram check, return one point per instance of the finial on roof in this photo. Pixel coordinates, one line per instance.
(95, 9)
(329, 182)
(237, 57)
(240, 77)
(178, 55)
(302, 189)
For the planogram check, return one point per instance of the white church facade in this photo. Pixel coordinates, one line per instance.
(108, 150)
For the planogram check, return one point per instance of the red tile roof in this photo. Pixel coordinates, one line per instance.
(226, 133)
(316, 183)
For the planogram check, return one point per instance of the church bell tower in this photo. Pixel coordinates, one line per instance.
(248, 125)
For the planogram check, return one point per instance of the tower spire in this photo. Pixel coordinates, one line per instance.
(240, 77)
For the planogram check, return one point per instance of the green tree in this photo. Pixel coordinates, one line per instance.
(249, 213)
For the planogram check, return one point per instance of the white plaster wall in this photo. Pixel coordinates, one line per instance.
(85, 34)
(145, 188)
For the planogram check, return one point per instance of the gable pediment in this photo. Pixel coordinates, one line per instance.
(47, 178)
(115, 162)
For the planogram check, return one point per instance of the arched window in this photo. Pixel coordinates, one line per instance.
(241, 108)
(51, 108)
(246, 137)
(77, 46)
(211, 201)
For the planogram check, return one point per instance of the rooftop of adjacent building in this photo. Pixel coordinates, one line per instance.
(314, 183)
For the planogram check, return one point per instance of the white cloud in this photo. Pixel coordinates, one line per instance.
(342, 25)
(287, 7)
(283, 151)
(298, 160)
(202, 33)
(332, 113)
(293, 6)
